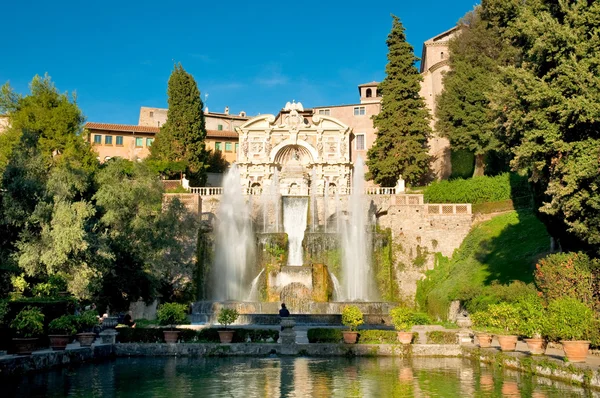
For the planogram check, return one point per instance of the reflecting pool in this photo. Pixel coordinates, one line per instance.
(287, 377)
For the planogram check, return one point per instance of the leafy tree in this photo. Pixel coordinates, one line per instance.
(181, 138)
(216, 162)
(549, 113)
(463, 114)
(403, 123)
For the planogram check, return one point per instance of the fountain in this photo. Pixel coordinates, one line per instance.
(356, 241)
(307, 242)
(233, 259)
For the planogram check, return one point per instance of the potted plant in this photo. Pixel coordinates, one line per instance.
(227, 316)
(571, 321)
(28, 325)
(533, 324)
(403, 320)
(85, 325)
(60, 331)
(504, 318)
(353, 318)
(481, 324)
(171, 314)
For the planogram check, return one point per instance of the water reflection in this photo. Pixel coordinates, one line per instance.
(288, 377)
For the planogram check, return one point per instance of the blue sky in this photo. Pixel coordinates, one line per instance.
(251, 56)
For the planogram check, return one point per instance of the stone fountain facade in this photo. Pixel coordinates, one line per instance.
(294, 143)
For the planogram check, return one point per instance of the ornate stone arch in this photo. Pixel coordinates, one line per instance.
(304, 147)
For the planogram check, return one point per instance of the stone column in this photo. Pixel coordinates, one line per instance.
(288, 334)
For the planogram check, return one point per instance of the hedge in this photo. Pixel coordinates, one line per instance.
(155, 335)
(477, 190)
(325, 335)
(441, 337)
(463, 163)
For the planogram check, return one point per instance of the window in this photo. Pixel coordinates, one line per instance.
(359, 111)
(218, 146)
(220, 127)
(237, 147)
(369, 93)
(228, 147)
(360, 142)
(98, 139)
(151, 114)
(442, 55)
(326, 112)
(108, 139)
(149, 142)
(119, 140)
(139, 142)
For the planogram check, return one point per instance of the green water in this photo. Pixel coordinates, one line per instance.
(287, 377)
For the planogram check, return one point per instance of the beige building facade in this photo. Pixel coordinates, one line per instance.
(156, 117)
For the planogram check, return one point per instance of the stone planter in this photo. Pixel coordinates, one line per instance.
(405, 337)
(350, 337)
(171, 336)
(485, 340)
(507, 342)
(24, 346)
(576, 350)
(536, 346)
(86, 339)
(288, 334)
(226, 336)
(58, 342)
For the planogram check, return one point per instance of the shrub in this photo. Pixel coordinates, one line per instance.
(65, 324)
(481, 321)
(3, 312)
(420, 318)
(566, 275)
(402, 318)
(87, 321)
(170, 314)
(502, 318)
(211, 335)
(28, 323)
(463, 163)
(533, 319)
(352, 317)
(441, 337)
(324, 335)
(569, 319)
(227, 316)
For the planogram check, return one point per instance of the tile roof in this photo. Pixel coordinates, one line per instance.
(373, 83)
(130, 128)
(121, 127)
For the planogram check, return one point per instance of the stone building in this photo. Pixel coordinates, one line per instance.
(297, 149)
(133, 141)
(225, 121)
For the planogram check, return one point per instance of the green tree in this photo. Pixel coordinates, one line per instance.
(181, 138)
(548, 112)
(403, 124)
(463, 113)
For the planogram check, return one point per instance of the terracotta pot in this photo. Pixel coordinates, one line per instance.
(171, 336)
(350, 337)
(25, 346)
(58, 342)
(485, 340)
(536, 346)
(576, 350)
(405, 337)
(507, 342)
(226, 336)
(86, 339)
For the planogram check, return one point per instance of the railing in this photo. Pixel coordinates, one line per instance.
(448, 209)
(299, 191)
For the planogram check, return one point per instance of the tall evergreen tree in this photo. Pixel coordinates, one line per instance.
(463, 113)
(403, 124)
(548, 111)
(182, 137)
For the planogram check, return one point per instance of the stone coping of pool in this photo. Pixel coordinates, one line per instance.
(551, 366)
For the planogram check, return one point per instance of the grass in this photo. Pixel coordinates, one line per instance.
(494, 254)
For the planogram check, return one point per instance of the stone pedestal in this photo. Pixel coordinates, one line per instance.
(108, 336)
(288, 334)
(464, 336)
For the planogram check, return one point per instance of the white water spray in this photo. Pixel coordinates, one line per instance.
(356, 241)
(234, 243)
(294, 225)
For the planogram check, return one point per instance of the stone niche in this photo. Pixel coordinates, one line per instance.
(303, 152)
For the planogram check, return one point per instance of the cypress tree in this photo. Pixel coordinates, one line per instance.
(403, 124)
(182, 137)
